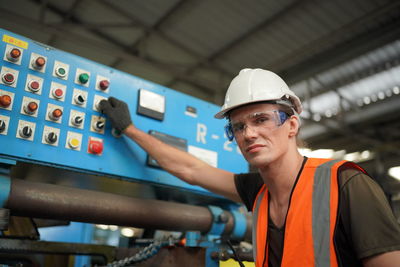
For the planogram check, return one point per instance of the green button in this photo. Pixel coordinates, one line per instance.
(84, 78)
(60, 71)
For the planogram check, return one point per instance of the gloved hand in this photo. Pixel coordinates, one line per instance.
(117, 111)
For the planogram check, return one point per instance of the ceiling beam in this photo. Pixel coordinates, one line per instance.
(381, 35)
(237, 41)
(108, 47)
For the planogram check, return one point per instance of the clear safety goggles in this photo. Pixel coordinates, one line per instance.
(267, 120)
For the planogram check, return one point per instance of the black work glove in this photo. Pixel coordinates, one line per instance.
(117, 111)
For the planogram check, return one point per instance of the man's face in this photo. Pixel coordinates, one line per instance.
(259, 133)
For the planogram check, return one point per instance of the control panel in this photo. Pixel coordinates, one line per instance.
(49, 115)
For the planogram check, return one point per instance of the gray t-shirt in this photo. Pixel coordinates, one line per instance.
(366, 225)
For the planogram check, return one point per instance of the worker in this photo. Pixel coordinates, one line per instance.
(306, 211)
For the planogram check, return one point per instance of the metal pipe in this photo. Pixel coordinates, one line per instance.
(49, 201)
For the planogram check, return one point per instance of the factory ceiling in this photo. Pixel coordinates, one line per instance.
(341, 57)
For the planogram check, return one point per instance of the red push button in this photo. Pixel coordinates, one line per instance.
(14, 54)
(95, 146)
(5, 101)
(56, 114)
(104, 84)
(8, 78)
(31, 107)
(39, 63)
(58, 93)
(34, 86)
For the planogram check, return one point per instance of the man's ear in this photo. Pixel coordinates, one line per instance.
(294, 124)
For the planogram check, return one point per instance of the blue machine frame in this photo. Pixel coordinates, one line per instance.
(184, 117)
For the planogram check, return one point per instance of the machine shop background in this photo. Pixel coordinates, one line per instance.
(342, 58)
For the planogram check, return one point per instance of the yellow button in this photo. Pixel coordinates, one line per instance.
(74, 143)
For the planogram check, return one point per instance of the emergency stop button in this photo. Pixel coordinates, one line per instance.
(95, 146)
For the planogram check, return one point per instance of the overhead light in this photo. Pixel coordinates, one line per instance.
(395, 172)
(102, 226)
(381, 95)
(113, 227)
(319, 153)
(128, 232)
(396, 90)
(367, 100)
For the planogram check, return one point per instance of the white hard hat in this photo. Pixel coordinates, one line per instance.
(256, 85)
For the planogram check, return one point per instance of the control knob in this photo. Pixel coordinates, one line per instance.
(2, 126)
(25, 132)
(80, 99)
(51, 137)
(99, 125)
(77, 120)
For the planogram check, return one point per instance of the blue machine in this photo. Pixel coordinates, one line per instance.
(49, 116)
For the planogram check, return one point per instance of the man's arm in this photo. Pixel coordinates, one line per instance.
(388, 259)
(177, 162)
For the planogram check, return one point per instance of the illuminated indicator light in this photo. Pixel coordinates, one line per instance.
(61, 72)
(51, 138)
(104, 84)
(26, 132)
(56, 114)
(34, 86)
(83, 78)
(95, 147)
(73, 143)
(14, 54)
(8, 78)
(5, 101)
(39, 63)
(58, 93)
(2, 126)
(80, 99)
(31, 107)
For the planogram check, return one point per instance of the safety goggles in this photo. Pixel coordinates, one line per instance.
(267, 120)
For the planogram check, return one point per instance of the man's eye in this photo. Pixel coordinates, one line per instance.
(237, 127)
(261, 120)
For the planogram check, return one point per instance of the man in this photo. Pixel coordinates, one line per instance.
(306, 212)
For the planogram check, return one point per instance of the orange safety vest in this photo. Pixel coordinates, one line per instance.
(310, 221)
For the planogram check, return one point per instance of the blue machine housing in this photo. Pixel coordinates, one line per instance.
(120, 157)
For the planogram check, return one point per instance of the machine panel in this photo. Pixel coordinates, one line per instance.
(49, 116)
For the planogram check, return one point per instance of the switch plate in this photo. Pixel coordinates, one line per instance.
(73, 135)
(8, 50)
(72, 115)
(6, 120)
(25, 102)
(34, 56)
(57, 65)
(34, 78)
(46, 131)
(2, 92)
(5, 70)
(21, 125)
(51, 107)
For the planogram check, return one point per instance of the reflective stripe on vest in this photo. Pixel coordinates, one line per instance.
(310, 221)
